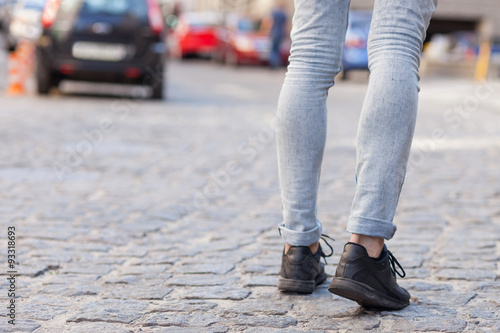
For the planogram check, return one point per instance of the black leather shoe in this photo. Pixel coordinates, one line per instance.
(367, 281)
(301, 270)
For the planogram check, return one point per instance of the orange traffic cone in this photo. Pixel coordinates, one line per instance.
(20, 67)
(16, 85)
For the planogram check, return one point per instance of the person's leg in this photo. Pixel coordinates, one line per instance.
(367, 270)
(388, 117)
(275, 59)
(318, 33)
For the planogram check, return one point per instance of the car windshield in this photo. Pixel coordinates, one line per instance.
(246, 25)
(116, 7)
(201, 24)
(202, 20)
(106, 7)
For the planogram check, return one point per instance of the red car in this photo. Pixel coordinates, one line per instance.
(243, 42)
(194, 34)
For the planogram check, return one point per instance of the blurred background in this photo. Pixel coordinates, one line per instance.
(130, 41)
(139, 165)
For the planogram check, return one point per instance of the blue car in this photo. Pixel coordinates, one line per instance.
(355, 55)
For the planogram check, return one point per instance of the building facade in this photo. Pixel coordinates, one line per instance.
(455, 15)
(452, 15)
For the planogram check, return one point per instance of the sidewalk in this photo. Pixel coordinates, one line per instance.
(169, 223)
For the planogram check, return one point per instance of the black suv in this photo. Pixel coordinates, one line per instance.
(101, 40)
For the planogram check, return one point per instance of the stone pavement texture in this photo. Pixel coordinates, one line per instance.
(140, 216)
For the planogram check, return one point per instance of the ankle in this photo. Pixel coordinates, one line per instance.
(373, 245)
(313, 247)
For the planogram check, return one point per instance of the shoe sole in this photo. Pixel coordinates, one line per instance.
(300, 286)
(364, 295)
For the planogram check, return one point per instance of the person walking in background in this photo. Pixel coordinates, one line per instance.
(367, 270)
(277, 33)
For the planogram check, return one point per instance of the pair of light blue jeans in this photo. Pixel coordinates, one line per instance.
(387, 120)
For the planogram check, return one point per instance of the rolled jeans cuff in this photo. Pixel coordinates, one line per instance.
(371, 227)
(300, 238)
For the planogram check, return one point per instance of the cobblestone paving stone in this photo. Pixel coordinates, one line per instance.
(166, 221)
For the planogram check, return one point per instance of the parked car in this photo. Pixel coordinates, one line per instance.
(355, 55)
(242, 41)
(98, 40)
(194, 34)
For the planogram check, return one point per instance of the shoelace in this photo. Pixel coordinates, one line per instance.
(323, 254)
(394, 262)
(323, 237)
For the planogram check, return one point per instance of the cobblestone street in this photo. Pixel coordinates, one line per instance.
(143, 216)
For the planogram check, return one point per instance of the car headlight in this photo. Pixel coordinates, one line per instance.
(244, 44)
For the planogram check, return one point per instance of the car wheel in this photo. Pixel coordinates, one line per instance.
(217, 56)
(44, 79)
(232, 59)
(157, 91)
(158, 85)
